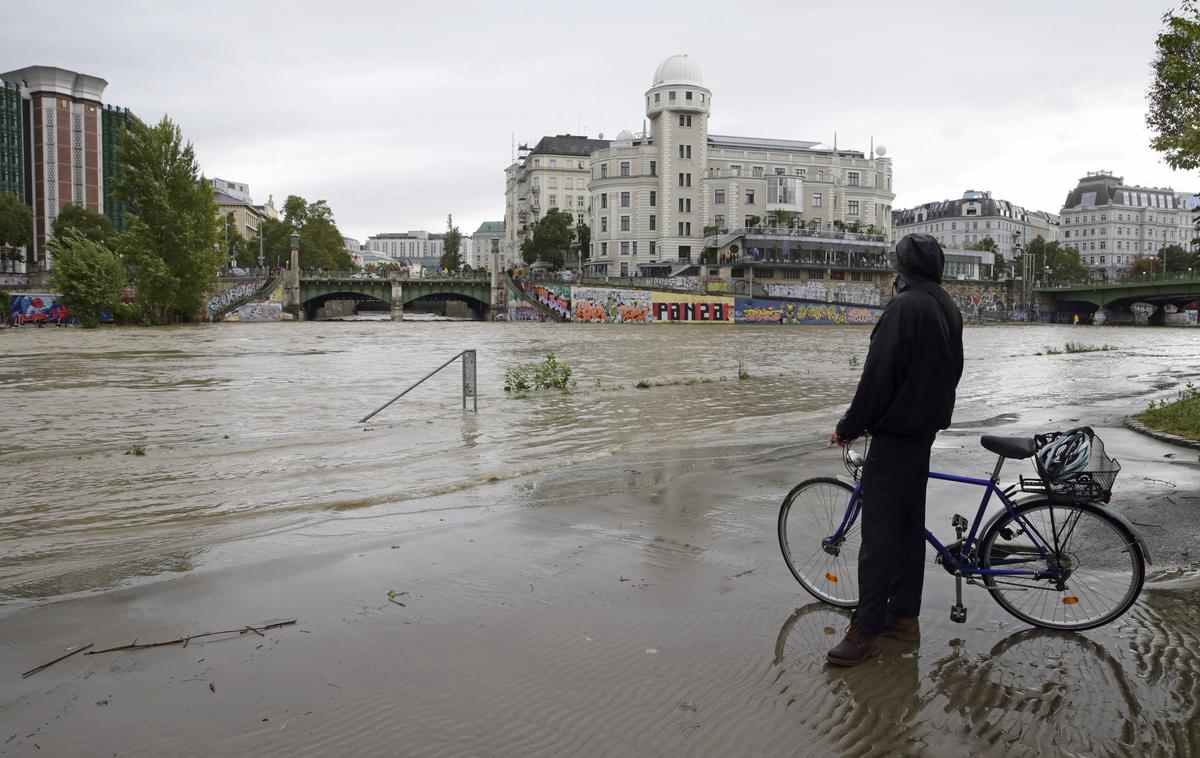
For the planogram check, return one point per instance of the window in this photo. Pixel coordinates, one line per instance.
(687, 95)
(756, 171)
(624, 199)
(604, 248)
(719, 221)
(603, 199)
(624, 223)
(568, 183)
(748, 221)
(681, 179)
(749, 197)
(653, 198)
(780, 171)
(852, 207)
(554, 201)
(603, 170)
(653, 168)
(685, 120)
(719, 197)
(816, 200)
(671, 96)
(658, 97)
(634, 246)
(624, 168)
(735, 169)
(579, 199)
(687, 228)
(852, 178)
(553, 163)
(1101, 244)
(680, 228)
(552, 182)
(798, 172)
(652, 246)
(653, 223)
(604, 223)
(624, 248)
(567, 200)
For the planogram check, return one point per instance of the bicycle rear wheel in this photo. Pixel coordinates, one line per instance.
(812, 511)
(1093, 570)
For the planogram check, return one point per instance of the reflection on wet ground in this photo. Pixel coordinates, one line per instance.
(1130, 689)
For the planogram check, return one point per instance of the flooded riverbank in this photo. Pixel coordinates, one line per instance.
(249, 430)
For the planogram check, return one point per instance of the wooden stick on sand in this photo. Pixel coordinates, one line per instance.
(185, 640)
(33, 671)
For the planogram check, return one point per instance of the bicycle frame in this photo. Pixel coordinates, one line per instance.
(962, 563)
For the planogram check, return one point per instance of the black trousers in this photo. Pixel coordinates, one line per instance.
(891, 562)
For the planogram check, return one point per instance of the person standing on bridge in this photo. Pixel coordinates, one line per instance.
(905, 395)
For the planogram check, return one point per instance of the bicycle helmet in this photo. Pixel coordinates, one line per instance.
(1066, 455)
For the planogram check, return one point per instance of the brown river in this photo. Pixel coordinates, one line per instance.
(250, 430)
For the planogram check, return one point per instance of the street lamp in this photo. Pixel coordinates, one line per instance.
(294, 239)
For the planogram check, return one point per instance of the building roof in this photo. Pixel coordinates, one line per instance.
(987, 206)
(568, 144)
(779, 145)
(490, 227)
(59, 81)
(678, 69)
(223, 198)
(1102, 188)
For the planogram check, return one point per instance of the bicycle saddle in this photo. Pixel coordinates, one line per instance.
(1009, 447)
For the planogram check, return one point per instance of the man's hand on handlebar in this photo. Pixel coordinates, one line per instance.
(834, 439)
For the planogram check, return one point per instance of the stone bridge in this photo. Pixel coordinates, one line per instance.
(318, 289)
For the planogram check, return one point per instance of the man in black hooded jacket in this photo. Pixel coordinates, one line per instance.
(905, 395)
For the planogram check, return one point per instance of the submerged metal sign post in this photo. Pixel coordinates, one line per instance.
(468, 363)
(468, 389)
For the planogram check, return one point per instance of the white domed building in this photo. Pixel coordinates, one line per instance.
(655, 195)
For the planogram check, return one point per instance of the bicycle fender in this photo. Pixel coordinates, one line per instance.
(1115, 516)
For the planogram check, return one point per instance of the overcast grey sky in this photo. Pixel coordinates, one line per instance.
(398, 113)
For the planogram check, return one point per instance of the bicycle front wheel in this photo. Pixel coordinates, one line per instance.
(811, 512)
(1091, 567)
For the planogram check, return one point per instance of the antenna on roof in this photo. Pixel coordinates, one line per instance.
(514, 147)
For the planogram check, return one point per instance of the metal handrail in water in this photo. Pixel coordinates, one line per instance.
(468, 365)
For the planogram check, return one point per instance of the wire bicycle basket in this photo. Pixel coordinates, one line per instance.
(1094, 482)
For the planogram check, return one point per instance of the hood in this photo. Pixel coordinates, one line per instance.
(919, 258)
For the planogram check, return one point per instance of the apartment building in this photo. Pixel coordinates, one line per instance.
(1112, 224)
(958, 224)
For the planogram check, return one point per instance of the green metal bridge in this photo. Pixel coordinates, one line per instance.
(1174, 289)
(317, 289)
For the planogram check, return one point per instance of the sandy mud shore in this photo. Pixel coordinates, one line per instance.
(647, 613)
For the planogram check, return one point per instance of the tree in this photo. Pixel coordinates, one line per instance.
(1177, 259)
(583, 241)
(1174, 98)
(16, 228)
(1141, 269)
(783, 219)
(94, 226)
(451, 259)
(276, 245)
(1000, 266)
(986, 244)
(321, 244)
(171, 234)
(1054, 263)
(89, 274)
(551, 239)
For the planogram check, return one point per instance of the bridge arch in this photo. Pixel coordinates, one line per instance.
(473, 292)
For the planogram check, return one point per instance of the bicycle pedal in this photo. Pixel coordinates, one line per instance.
(958, 614)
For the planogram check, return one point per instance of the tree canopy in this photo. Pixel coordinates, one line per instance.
(321, 244)
(451, 243)
(1174, 96)
(16, 226)
(89, 274)
(551, 239)
(171, 235)
(95, 226)
(1055, 263)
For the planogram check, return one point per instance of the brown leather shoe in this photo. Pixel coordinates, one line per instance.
(906, 628)
(854, 647)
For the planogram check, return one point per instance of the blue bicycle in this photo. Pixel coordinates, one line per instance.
(1056, 556)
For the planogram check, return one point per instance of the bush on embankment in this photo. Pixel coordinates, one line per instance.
(1181, 416)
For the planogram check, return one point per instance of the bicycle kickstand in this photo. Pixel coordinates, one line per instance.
(958, 612)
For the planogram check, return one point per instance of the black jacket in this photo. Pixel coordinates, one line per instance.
(916, 355)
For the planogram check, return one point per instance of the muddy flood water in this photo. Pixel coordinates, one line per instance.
(640, 505)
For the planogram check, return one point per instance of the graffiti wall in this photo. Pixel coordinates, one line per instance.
(832, 292)
(222, 300)
(556, 297)
(37, 308)
(14, 279)
(520, 310)
(603, 305)
(264, 311)
(670, 306)
(749, 310)
(686, 283)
